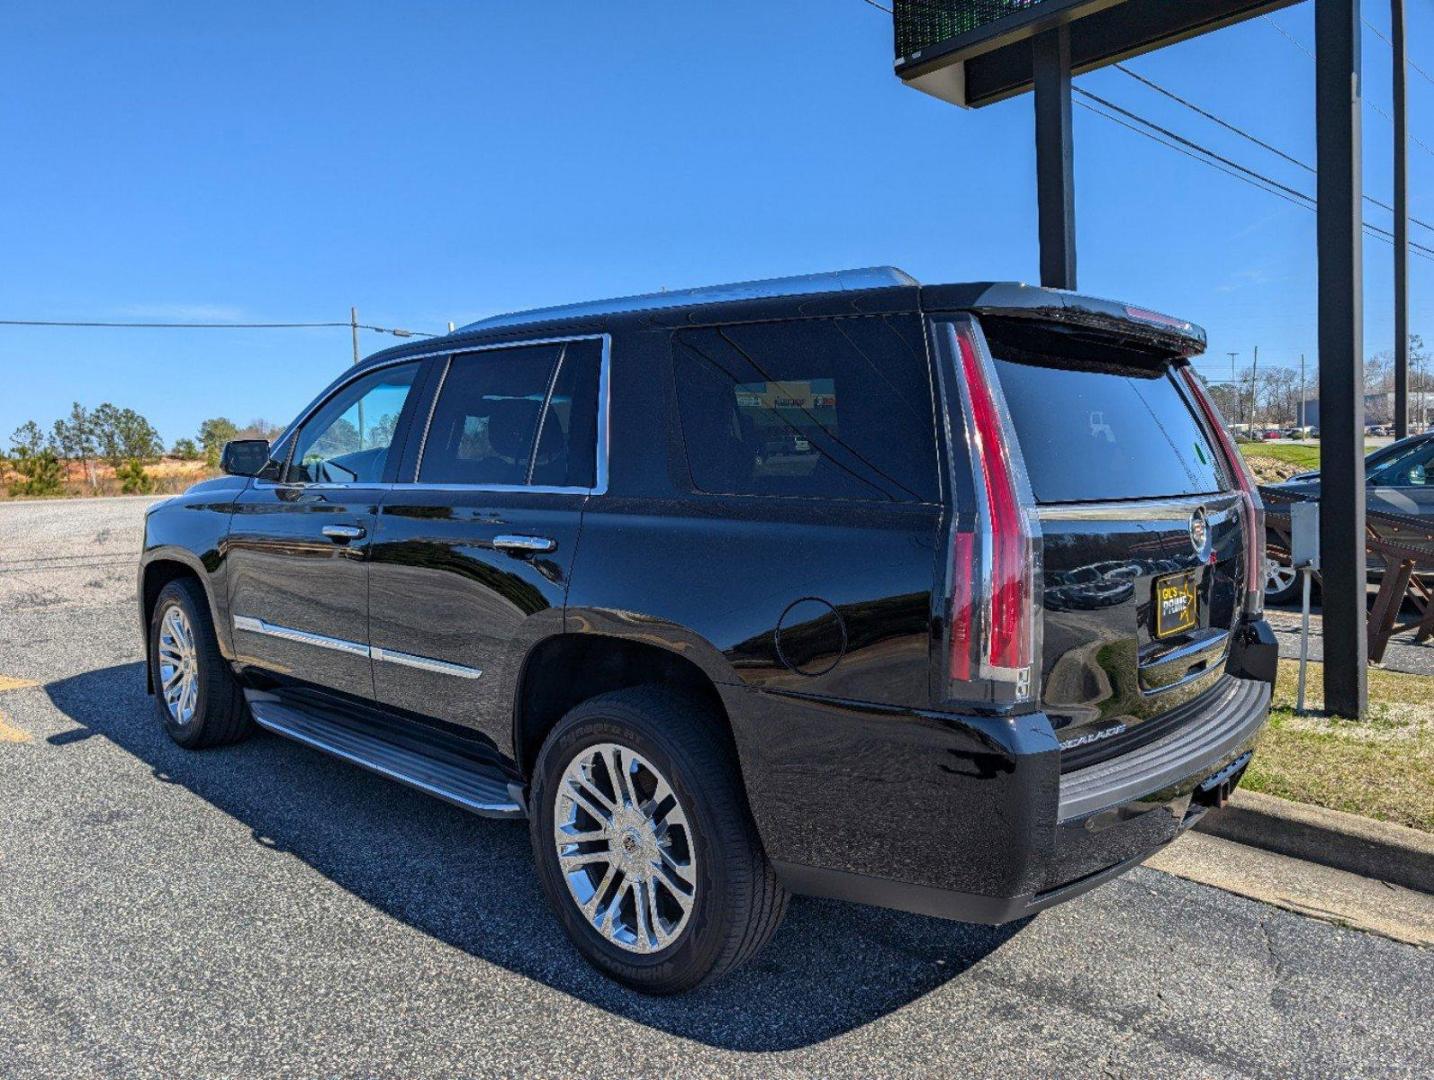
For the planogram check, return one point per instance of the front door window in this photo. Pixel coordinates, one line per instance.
(347, 441)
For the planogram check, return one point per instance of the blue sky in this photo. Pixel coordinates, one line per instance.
(428, 162)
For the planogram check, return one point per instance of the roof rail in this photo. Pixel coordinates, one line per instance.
(874, 277)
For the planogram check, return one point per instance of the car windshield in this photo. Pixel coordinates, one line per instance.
(1397, 460)
(1384, 456)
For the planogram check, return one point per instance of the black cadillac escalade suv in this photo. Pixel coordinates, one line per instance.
(946, 598)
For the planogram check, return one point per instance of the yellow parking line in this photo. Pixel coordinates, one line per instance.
(9, 682)
(11, 734)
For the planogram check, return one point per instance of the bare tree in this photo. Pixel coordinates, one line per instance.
(1280, 393)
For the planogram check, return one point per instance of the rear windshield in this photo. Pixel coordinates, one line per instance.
(1094, 433)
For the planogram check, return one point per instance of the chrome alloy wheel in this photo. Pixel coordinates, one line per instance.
(625, 848)
(1280, 574)
(178, 665)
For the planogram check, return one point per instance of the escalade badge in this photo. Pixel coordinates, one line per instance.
(1200, 532)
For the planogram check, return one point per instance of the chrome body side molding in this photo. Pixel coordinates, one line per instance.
(427, 663)
(303, 637)
(1216, 505)
(355, 648)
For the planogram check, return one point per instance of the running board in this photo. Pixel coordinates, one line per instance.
(472, 787)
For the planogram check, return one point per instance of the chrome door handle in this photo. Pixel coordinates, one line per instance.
(344, 532)
(524, 545)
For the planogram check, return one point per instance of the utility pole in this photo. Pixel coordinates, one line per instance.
(1235, 383)
(1255, 390)
(1302, 393)
(1341, 356)
(353, 328)
(1401, 227)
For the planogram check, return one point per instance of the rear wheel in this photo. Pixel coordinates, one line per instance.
(199, 701)
(644, 844)
(1282, 580)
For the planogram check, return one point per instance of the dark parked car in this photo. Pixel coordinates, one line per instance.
(1399, 480)
(985, 632)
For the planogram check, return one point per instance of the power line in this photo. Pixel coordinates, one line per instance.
(1226, 165)
(1191, 154)
(1247, 135)
(1301, 47)
(1211, 116)
(1296, 42)
(395, 331)
(1305, 200)
(1408, 62)
(1190, 143)
(878, 7)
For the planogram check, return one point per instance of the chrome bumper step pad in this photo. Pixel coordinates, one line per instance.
(1231, 719)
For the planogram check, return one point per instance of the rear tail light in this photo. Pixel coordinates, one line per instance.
(1254, 508)
(995, 623)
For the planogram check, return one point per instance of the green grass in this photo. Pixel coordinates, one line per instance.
(1297, 454)
(1381, 768)
(1303, 455)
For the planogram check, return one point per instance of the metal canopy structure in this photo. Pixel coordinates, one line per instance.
(975, 52)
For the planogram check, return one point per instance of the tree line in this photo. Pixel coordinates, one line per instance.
(1272, 394)
(118, 437)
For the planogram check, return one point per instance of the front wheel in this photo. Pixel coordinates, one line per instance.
(644, 844)
(199, 701)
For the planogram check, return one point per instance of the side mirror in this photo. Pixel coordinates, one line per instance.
(245, 457)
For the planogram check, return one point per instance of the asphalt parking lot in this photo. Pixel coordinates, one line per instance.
(263, 910)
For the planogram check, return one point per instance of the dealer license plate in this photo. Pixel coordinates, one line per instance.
(1177, 604)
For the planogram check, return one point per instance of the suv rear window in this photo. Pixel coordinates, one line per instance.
(1105, 431)
(828, 408)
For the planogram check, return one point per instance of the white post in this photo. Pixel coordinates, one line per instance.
(1305, 572)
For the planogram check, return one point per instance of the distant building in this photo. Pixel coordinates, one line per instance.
(1379, 409)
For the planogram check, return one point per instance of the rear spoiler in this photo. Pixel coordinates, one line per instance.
(1148, 330)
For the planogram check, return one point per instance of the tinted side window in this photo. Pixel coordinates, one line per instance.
(496, 406)
(830, 408)
(567, 443)
(347, 440)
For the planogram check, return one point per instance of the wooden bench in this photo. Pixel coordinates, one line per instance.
(1404, 565)
(1408, 573)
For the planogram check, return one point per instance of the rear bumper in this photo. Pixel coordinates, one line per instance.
(969, 818)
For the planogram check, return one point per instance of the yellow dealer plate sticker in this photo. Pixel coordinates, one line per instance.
(1177, 604)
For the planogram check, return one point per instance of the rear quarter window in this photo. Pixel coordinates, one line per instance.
(824, 408)
(1095, 433)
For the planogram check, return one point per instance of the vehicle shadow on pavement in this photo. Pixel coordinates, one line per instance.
(469, 883)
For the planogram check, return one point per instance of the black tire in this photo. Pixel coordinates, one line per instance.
(738, 901)
(1277, 550)
(220, 713)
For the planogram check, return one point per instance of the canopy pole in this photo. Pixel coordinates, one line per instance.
(1055, 156)
(1341, 356)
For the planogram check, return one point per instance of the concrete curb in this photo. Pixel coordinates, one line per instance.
(1372, 849)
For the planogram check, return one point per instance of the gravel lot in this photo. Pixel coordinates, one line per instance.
(1403, 653)
(265, 911)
